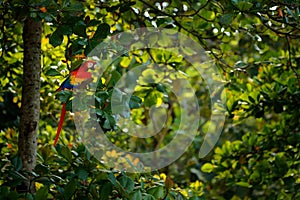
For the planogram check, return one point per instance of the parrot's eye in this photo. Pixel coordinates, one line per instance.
(91, 65)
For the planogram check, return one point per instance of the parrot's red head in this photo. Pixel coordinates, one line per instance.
(83, 72)
(90, 64)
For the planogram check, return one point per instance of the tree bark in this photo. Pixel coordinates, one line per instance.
(30, 107)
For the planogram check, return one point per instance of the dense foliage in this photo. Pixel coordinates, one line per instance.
(255, 46)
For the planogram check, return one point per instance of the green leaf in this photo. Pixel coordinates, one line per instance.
(66, 153)
(227, 19)
(70, 189)
(126, 38)
(41, 194)
(207, 168)
(179, 196)
(80, 29)
(69, 105)
(13, 195)
(17, 163)
(207, 14)
(91, 45)
(251, 99)
(157, 192)
(127, 183)
(64, 30)
(255, 176)
(82, 174)
(122, 109)
(244, 5)
(103, 30)
(117, 96)
(160, 87)
(52, 72)
(126, 7)
(153, 98)
(46, 16)
(56, 38)
(112, 179)
(106, 124)
(295, 16)
(148, 197)
(243, 184)
(74, 8)
(112, 8)
(252, 140)
(109, 121)
(6, 194)
(253, 70)
(281, 164)
(64, 95)
(94, 192)
(101, 97)
(115, 77)
(33, 15)
(81, 41)
(240, 64)
(137, 195)
(125, 62)
(135, 102)
(165, 40)
(105, 191)
(77, 48)
(93, 22)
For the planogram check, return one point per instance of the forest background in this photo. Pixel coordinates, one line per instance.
(255, 46)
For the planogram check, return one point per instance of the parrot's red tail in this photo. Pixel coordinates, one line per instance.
(61, 121)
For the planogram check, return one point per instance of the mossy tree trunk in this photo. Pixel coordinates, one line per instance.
(30, 108)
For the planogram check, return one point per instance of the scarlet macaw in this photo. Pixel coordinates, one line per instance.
(75, 79)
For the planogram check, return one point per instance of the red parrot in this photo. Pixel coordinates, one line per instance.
(74, 80)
